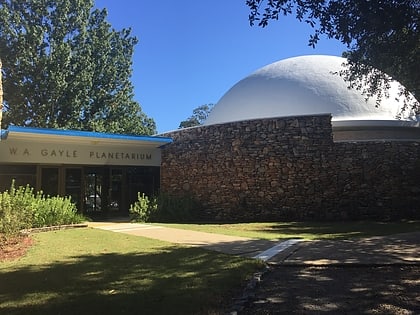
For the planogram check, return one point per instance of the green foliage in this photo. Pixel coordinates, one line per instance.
(56, 210)
(164, 208)
(21, 208)
(143, 209)
(64, 66)
(198, 117)
(16, 209)
(379, 34)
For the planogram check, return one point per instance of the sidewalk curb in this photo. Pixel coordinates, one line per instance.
(54, 228)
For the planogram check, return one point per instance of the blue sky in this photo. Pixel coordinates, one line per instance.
(191, 52)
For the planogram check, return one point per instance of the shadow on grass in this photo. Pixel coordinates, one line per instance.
(331, 230)
(173, 281)
(401, 249)
(338, 290)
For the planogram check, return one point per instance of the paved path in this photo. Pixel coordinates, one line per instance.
(178, 236)
(235, 245)
(397, 249)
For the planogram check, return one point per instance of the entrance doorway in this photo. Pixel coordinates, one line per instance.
(105, 191)
(99, 190)
(93, 192)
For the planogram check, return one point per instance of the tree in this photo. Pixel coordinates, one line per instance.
(380, 35)
(1, 96)
(65, 67)
(198, 117)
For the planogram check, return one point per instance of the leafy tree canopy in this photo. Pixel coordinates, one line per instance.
(65, 67)
(198, 117)
(381, 35)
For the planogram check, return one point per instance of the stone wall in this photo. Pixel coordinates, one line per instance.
(380, 179)
(290, 169)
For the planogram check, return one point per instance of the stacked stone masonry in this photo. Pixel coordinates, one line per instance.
(290, 169)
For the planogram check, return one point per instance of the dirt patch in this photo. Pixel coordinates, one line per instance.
(14, 247)
(390, 290)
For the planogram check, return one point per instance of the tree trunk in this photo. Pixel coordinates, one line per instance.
(1, 95)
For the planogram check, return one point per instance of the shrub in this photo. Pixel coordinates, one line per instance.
(163, 208)
(21, 208)
(141, 210)
(55, 211)
(16, 209)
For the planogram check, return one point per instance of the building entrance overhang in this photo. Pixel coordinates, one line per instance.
(37, 145)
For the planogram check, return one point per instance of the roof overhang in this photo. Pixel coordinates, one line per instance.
(53, 146)
(376, 130)
(83, 137)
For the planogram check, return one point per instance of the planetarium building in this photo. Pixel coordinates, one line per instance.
(292, 141)
(288, 142)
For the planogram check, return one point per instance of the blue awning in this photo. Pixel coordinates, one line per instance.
(160, 141)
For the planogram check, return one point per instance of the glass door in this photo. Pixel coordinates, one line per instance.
(93, 192)
(116, 191)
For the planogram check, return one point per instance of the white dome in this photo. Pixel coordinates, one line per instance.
(303, 85)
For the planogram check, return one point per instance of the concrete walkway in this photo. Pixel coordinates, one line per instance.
(234, 245)
(397, 249)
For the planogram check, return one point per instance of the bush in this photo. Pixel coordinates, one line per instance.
(55, 211)
(142, 209)
(21, 208)
(16, 209)
(163, 208)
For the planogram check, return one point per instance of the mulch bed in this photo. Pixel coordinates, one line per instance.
(12, 248)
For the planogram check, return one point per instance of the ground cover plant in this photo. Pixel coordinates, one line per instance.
(305, 230)
(89, 271)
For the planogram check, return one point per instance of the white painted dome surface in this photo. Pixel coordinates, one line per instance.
(303, 85)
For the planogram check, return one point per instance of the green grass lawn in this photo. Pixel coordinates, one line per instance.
(305, 230)
(89, 271)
